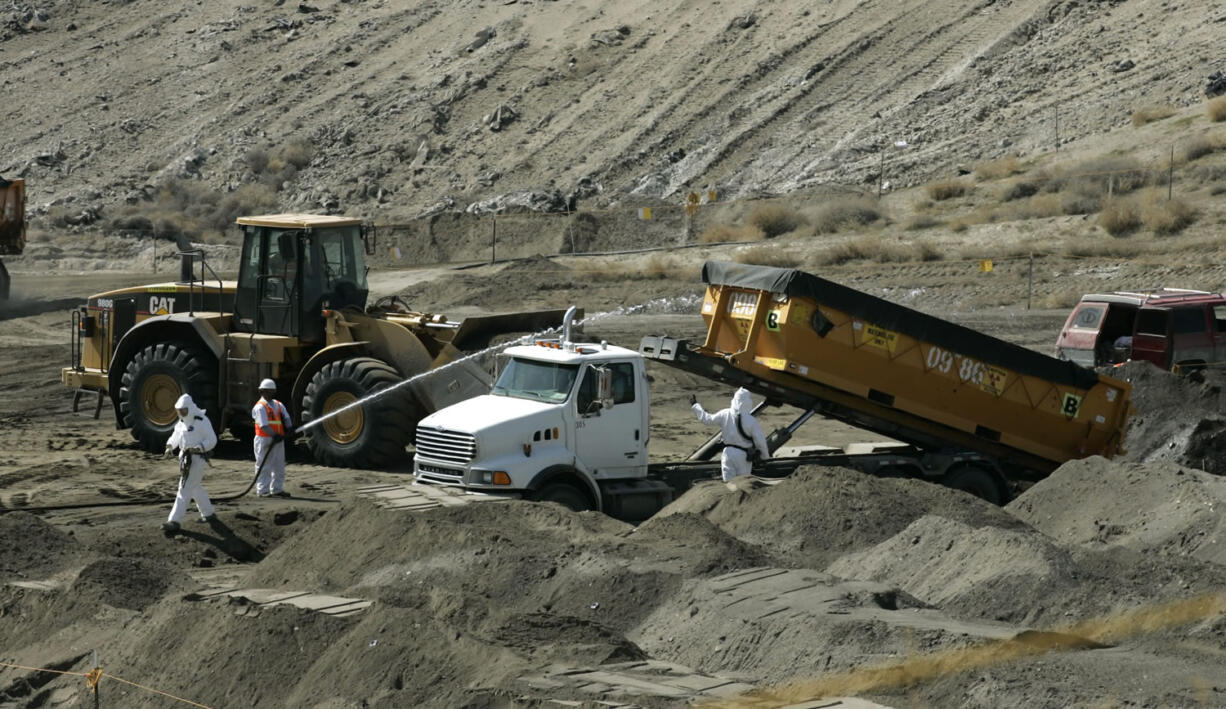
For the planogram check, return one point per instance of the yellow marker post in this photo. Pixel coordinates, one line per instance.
(645, 213)
(985, 265)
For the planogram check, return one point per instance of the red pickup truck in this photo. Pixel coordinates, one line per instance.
(1174, 328)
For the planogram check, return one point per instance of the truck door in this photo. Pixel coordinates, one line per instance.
(1219, 333)
(1079, 341)
(1191, 340)
(1151, 341)
(612, 443)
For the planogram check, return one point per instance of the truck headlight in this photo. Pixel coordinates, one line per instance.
(493, 477)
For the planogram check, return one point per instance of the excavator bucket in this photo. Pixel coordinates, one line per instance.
(476, 333)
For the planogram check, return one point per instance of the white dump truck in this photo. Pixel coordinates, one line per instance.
(568, 421)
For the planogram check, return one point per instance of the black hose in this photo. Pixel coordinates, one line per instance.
(138, 503)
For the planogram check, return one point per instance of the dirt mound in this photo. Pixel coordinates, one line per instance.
(129, 583)
(31, 549)
(1178, 418)
(820, 513)
(987, 572)
(1159, 507)
(706, 548)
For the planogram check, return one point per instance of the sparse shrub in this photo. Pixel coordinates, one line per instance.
(1120, 216)
(297, 153)
(1218, 189)
(1217, 109)
(929, 252)
(1166, 216)
(1200, 146)
(1210, 173)
(766, 256)
(868, 248)
(948, 189)
(1098, 177)
(1060, 299)
(921, 221)
(1040, 207)
(958, 226)
(1113, 248)
(1018, 189)
(724, 233)
(775, 219)
(843, 213)
(660, 266)
(997, 169)
(257, 160)
(1147, 114)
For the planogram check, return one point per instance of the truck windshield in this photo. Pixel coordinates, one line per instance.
(541, 381)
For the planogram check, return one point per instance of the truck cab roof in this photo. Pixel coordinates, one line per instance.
(570, 353)
(1163, 297)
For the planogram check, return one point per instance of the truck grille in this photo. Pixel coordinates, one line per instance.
(448, 446)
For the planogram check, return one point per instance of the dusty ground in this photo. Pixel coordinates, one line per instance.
(798, 587)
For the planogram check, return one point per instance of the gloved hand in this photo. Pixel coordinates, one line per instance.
(196, 449)
(277, 438)
(166, 453)
(693, 400)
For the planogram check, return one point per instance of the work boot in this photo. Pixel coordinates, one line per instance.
(281, 493)
(170, 528)
(210, 519)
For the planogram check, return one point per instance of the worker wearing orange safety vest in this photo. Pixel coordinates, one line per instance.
(272, 424)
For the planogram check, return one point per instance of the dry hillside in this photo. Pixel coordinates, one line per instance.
(388, 109)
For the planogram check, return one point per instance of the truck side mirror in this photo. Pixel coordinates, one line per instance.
(604, 387)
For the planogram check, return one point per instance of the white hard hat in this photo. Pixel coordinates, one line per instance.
(268, 385)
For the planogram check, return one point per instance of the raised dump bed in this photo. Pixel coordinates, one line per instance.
(813, 343)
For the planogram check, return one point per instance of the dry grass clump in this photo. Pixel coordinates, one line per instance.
(1217, 109)
(1020, 188)
(999, 169)
(845, 213)
(921, 221)
(656, 267)
(766, 256)
(879, 250)
(725, 233)
(1166, 216)
(1061, 299)
(1120, 216)
(1098, 248)
(776, 219)
(947, 189)
(190, 208)
(1148, 114)
(1200, 146)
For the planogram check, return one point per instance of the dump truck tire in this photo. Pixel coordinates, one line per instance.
(566, 495)
(152, 382)
(373, 435)
(978, 481)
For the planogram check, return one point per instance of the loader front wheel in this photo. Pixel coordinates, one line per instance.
(154, 379)
(372, 434)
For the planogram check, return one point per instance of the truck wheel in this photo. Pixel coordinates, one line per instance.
(373, 435)
(152, 382)
(978, 481)
(565, 495)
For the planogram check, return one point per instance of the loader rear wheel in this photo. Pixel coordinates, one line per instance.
(978, 481)
(154, 379)
(371, 435)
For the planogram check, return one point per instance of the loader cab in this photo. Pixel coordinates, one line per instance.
(293, 266)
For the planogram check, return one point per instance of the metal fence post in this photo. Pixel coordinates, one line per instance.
(1030, 281)
(493, 239)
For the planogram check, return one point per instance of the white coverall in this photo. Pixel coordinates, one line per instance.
(272, 478)
(735, 460)
(193, 432)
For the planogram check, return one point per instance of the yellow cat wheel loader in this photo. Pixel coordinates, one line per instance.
(298, 314)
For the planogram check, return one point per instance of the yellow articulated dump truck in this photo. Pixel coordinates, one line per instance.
(297, 314)
(567, 421)
(12, 226)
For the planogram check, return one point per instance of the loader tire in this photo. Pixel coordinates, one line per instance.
(154, 379)
(373, 435)
(978, 481)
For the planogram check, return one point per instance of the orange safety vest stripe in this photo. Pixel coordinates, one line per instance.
(274, 421)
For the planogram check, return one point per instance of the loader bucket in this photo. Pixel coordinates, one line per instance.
(476, 332)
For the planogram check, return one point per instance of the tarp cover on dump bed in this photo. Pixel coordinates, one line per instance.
(893, 316)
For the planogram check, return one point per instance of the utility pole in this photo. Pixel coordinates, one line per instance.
(1170, 176)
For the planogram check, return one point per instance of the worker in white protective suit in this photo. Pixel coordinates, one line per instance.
(193, 438)
(272, 425)
(741, 434)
